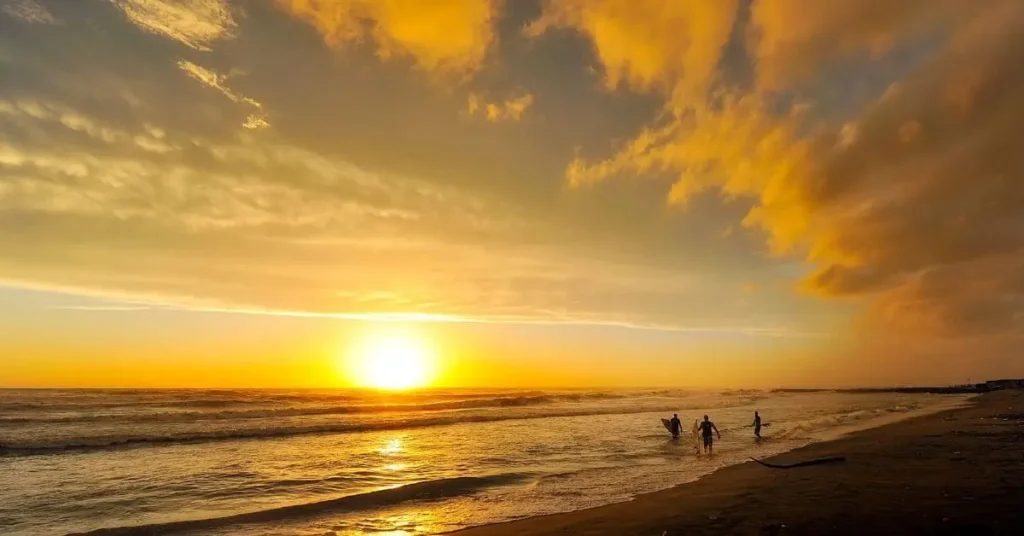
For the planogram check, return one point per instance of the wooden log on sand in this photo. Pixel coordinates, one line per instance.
(816, 461)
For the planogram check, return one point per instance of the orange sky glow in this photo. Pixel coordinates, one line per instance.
(535, 193)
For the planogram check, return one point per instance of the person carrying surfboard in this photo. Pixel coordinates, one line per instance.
(706, 428)
(675, 426)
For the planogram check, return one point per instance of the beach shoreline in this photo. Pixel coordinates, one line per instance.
(492, 463)
(950, 472)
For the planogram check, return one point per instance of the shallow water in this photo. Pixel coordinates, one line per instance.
(315, 462)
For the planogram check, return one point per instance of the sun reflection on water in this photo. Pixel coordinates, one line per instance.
(409, 523)
(391, 447)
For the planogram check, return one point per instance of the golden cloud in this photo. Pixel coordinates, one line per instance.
(917, 204)
(510, 109)
(670, 46)
(195, 23)
(217, 81)
(935, 218)
(446, 36)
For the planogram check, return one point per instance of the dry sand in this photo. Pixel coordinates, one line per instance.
(956, 472)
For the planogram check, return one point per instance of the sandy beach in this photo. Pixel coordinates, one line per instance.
(955, 472)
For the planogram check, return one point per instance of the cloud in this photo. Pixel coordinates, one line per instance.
(103, 308)
(792, 39)
(123, 173)
(915, 205)
(216, 81)
(931, 222)
(444, 36)
(239, 184)
(29, 113)
(673, 47)
(511, 109)
(252, 225)
(387, 281)
(194, 23)
(28, 11)
(255, 122)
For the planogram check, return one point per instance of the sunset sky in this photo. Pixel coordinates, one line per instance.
(723, 193)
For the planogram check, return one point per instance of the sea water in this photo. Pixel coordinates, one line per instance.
(348, 462)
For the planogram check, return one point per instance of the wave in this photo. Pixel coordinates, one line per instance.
(802, 428)
(105, 443)
(240, 414)
(256, 429)
(421, 491)
(114, 442)
(741, 392)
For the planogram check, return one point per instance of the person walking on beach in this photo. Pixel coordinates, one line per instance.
(676, 425)
(757, 425)
(706, 428)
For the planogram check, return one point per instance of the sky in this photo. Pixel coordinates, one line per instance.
(739, 193)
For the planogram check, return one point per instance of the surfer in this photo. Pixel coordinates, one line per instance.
(675, 426)
(706, 428)
(757, 425)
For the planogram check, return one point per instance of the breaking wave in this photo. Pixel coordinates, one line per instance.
(259, 413)
(268, 415)
(108, 442)
(433, 489)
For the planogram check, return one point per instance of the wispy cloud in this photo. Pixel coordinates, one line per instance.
(255, 122)
(119, 301)
(30, 112)
(242, 184)
(216, 81)
(28, 11)
(101, 308)
(270, 228)
(510, 109)
(194, 23)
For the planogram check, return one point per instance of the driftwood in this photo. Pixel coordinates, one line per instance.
(816, 461)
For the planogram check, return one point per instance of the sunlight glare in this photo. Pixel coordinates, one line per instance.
(392, 446)
(393, 361)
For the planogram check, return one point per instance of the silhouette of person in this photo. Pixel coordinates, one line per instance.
(757, 425)
(676, 425)
(706, 428)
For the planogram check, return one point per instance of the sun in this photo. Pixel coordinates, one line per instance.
(392, 360)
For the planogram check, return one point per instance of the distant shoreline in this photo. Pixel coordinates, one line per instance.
(953, 390)
(969, 388)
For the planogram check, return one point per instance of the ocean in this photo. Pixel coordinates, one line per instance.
(321, 462)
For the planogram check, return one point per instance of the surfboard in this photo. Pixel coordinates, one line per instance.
(668, 424)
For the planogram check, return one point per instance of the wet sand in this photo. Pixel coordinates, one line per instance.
(955, 472)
